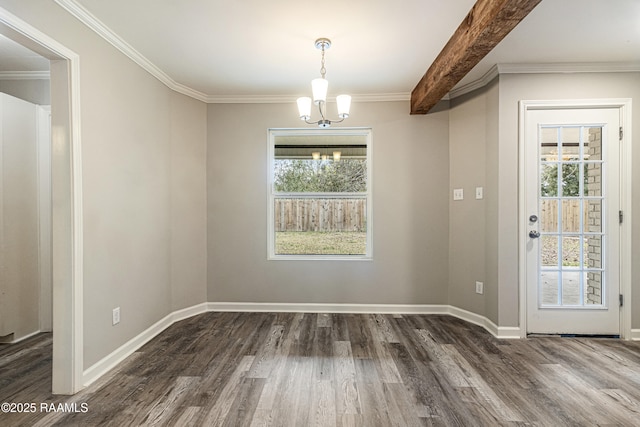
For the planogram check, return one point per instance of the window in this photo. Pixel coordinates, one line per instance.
(319, 194)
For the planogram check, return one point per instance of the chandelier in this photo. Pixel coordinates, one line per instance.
(319, 89)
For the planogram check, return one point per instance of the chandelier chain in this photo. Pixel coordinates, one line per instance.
(323, 70)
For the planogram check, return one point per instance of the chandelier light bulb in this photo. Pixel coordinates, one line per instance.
(319, 88)
(344, 104)
(304, 107)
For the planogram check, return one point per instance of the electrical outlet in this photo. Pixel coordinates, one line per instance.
(116, 316)
(458, 194)
(479, 288)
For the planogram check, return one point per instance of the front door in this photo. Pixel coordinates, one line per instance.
(572, 193)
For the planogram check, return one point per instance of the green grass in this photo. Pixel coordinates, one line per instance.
(320, 243)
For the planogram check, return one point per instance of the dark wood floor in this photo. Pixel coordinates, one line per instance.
(287, 369)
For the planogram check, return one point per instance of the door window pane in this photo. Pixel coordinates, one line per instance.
(592, 137)
(549, 180)
(593, 179)
(593, 214)
(571, 288)
(549, 251)
(571, 217)
(571, 251)
(594, 287)
(549, 215)
(549, 144)
(570, 143)
(570, 179)
(549, 287)
(593, 251)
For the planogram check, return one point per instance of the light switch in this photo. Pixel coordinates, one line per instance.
(479, 194)
(458, 194)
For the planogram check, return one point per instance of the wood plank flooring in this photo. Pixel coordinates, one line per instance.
(294, 369)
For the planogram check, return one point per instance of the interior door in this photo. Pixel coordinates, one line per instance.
(572, 199)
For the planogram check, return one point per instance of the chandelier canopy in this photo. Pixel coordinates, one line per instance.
(319, 88)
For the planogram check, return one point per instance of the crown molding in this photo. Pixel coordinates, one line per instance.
(569, 67)
(476, 84)
(249, 99)
(382, 97)
(88, 19)
(545, 68)
(285, 99)
(25, 75)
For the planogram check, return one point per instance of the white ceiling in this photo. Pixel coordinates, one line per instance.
(226, 48)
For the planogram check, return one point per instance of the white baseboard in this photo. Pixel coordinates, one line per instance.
(185, 313)
(17, 340)
(504, 332)
(100, 368)
(635, 335)
(112, 360)
(328, 308)
(509, 332)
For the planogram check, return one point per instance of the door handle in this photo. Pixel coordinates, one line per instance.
(534, 234)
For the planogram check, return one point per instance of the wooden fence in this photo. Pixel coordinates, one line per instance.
(570, 216)
(320, 215)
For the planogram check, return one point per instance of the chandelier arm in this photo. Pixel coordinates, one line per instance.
(320, 104)
(327, 121)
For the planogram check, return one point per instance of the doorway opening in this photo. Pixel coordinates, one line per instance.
(66, 198)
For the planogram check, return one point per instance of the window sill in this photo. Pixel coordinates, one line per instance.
(320, 258)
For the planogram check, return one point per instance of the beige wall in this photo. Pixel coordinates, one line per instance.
(34, 91)
(474, 223)
(473, 236)
(188, 202)
(410, 211)
(139, 227)
(132, 198)
(19, 272)
(492, 220)
(467, 148)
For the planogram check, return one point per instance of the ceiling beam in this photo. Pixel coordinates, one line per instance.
(488, 22)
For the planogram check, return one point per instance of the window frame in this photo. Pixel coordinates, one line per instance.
(273, 133)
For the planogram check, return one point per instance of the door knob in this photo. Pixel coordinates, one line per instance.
(534, 234)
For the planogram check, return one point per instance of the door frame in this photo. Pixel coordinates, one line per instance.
(66, 181)
(624, 107)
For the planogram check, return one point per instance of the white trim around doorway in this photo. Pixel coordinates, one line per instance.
(624, 106)
(67, 202)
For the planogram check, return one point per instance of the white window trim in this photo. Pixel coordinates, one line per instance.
(271, 194)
